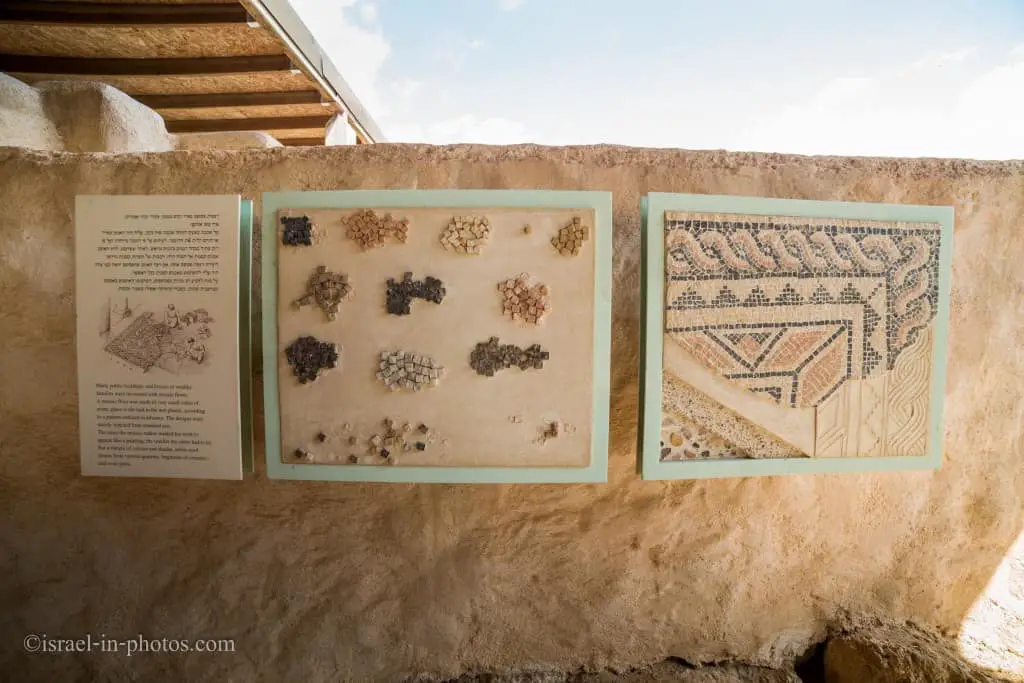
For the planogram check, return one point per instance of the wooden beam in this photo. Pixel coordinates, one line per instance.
(167, 66)
(230, 99)
(111, 14)
(301, 142)
(220, 125)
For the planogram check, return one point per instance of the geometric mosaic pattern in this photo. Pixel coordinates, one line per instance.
(883, 416)
(142, 343)
(795, 309)
(797, 363)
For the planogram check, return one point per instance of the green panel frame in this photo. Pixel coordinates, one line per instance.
(652, 210)
(600, 202)
(245, 331)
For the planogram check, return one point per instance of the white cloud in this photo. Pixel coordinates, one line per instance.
(453, 52)
(368, 11)
(939, 59)
(937, 106)
(407, 89)
(840, 91)
(987, 115)
(358, 52)
(941, 104)
(467, 128)
(510, 4)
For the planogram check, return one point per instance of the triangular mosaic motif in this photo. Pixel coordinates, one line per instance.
(814, 316)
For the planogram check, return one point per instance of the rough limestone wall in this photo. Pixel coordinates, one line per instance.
(96, 117)
(23, 120)
(86, 116)
(327, 581)
(227, 140)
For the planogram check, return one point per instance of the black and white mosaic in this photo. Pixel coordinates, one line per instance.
(902, 258)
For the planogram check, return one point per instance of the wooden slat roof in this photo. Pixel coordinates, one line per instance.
(203, 65)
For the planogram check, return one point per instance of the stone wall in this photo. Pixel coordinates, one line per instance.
(88, 116)
(328, 581)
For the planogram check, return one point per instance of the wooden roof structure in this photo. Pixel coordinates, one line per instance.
(204, 65)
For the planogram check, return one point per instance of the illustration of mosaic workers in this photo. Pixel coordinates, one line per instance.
(171, 317)
(178, 339)
(195, 350)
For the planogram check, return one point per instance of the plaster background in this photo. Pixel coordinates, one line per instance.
(469, 415)
(324, 581)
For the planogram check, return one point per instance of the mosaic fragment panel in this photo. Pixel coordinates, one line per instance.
(824, 315)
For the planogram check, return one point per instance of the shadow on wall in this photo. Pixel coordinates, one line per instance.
(84, 116)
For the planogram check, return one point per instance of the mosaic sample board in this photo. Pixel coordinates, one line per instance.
(786, 336)
(446, 336)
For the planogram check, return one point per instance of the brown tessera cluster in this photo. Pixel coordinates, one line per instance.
(327, 290)
(570, 239)
(466, 234)
(371, 231)
(520, 301)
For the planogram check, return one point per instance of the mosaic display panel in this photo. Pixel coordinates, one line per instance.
(435, 337)
(817, 331)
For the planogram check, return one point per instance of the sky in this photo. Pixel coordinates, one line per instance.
(940, 78)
